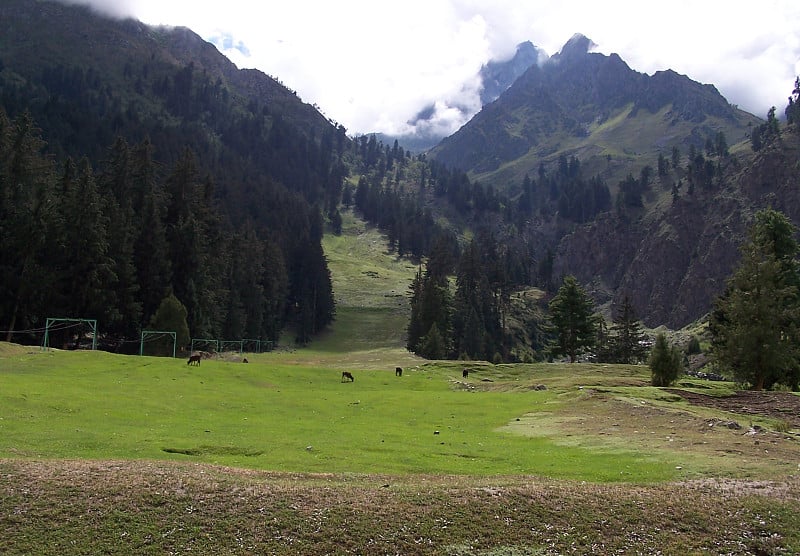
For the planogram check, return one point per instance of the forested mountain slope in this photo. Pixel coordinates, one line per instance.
(193, 177)
(675, 258)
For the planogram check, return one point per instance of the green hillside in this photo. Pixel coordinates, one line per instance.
(370, 288)
(622, 144)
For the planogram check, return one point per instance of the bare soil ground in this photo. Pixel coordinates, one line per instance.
(774, 405)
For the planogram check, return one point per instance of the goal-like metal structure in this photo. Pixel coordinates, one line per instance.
(205, 342)
(256, 346)
(50, 322)
(158, 333)
(230, 345)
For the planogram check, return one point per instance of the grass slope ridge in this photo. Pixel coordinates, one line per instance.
(370, 287)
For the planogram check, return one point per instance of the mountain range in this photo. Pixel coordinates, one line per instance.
(674, 156)
(592, 106)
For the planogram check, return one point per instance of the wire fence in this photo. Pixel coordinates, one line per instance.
(248, 345)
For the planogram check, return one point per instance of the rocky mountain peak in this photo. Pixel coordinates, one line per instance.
(578, 45)
(499, 75)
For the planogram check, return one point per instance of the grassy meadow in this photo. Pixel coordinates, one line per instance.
(269, 414)
(103, 453)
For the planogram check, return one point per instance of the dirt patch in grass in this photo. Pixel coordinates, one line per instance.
(698, 443)
(782, 406)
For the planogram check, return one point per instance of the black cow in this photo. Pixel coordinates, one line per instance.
(465, 373)
(346, 375)
(398, 371)
(194, 360)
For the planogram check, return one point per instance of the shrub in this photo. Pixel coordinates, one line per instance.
(694, 346)
(665, 362)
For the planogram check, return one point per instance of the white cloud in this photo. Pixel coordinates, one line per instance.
(373, 66)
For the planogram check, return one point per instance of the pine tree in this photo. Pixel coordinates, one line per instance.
(754, 325)
(793, 109)
(310, 281)
(171, 317)
(275, 288)
(414, 330)
(665, 362)
(151, 251)
(88, 281)
(469, 307)
(433, 345)
(431, 302)
(573, 321)
(27, 212)
(604, 348)
(627, 337)
(116, 186)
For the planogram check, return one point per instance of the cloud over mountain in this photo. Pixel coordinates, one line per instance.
(375, 67)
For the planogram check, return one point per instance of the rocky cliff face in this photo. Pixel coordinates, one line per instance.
(675, 260)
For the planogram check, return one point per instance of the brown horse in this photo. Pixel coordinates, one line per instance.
(346, 375)
(194, 360)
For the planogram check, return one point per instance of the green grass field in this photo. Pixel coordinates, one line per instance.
(103, 453)
(277, 416)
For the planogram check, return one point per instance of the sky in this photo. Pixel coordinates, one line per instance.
(373, 65)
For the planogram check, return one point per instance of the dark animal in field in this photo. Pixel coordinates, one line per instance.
(346, 375)
(398, 371)
(245, 360)
(193, 360)
(465, 373)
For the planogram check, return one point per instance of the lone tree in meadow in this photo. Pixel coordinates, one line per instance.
(754, 324)
(573, 321)
(665, 362)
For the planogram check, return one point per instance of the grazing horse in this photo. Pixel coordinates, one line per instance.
(398, 371)
(194, 360)
(346, 375)
(465, 373)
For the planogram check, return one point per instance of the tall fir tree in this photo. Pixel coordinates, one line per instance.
(151, 250)
(27, 212)
(89, 283)
(117, 191)
(572, 319)
(431, 304)
(754, 325)
(470, 306)
(627, 338)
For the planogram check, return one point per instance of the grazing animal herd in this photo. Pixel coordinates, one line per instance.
(347, 376)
